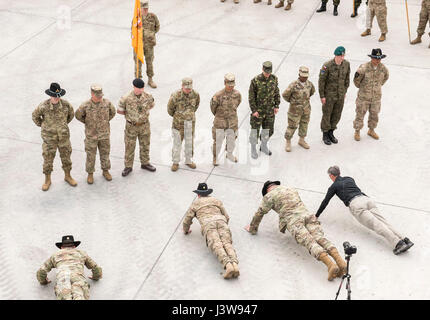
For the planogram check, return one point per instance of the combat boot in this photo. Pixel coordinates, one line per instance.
(90, 178)
(236, 270)
(326, 138)
(264, 148)
(151, 83)
(303, 143)
(191, 165)
(288, 146)
(257, 1)
(214, 161)
(269, 2)
(332, 137)
(366, 33)
(322, 8)
(339, 261)
(357, 135)
(288, 7)
(47, 184)
(333, 269)
(254, 153)
(382, 37)
(373, 134)
(280, 4)
(236, 1)
(126, 171)
(68, 178)
(175, 167)
(231, 157)
(335, 13)
(107, 175)
(417, 40)
(229, 271)
(222, 0)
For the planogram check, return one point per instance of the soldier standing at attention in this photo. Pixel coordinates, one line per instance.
(182, 106)
(424, 19)
(214, 227)
(53, 116)
(333, 83)
(298, 94)
(324, 6)
(224, 106)
(150, 26)
(377, 8)
(96, 114)
(369, 79)
(69, 262)
(135, 106)
(282, 2)
(303, 225)
(264, 100)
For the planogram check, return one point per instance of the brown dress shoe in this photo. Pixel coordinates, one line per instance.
(126, 171)
(148, 167)
(175, 167)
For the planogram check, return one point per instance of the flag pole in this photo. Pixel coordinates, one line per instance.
(407, 17)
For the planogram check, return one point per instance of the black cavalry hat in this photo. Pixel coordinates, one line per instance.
(203, 190)
(67, 240)
(55, 90)
(377, 54)
(267, 185)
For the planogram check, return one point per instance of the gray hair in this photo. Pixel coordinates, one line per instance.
(334, 170)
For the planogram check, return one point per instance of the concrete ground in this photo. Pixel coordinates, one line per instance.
(133, 226)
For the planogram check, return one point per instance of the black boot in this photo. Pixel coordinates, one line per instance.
(335, 10)
(326, 139)
(254, 153)
(264, 148)
(408, 242)
(332, 137)
(323, 7)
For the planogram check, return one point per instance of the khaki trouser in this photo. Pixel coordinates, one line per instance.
(219, 240)
(186, 133)
(365, 211)
(71, 286)
(219, 135)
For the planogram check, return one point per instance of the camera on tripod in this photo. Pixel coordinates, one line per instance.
(349, 250)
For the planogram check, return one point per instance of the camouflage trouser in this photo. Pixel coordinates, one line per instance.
(265, 122)
(362, 107)
(49, 148)
(332, 111)
(298, 116)
(380, 11)
(91, 146)
(219, 240)
(186, 133)
(149, 59)
(288, 1)
(424, 18)
(335, 2)
(131, 133)
(308, 233)
(71, 286)
(218, 135)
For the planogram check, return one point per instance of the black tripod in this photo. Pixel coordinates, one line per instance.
(346, 276)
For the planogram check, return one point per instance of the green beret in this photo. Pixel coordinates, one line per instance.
(339, 51)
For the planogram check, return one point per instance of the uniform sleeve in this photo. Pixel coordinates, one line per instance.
(80, 113)
(157, 24)
(37, 116)
(122, 106)
(288, 92)
(252, 96)
(240, 100)
(348, 77)
(214, 104)
(198, 102)
(312, 89)
(322, 81)
(71, 114)
(188, 220)
(277, 97)
(42, 273)
(152, 103)
(358, 77)
(224, 212)
(264, 208)
(112, 111)
(92, 265)
(171, 106)
(386, 75)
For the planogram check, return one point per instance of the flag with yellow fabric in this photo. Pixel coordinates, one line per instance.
(137, 33)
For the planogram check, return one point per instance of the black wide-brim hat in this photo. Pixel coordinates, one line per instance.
(55, 90)
(67, 240)
(267, 184)
(377, 54)
(203, 190)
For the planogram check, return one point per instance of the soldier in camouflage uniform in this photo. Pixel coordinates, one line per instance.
(333, 84)
(150, 26)
(69, 262)
(424, 19)
(53, 116)
(282, 2)
(298, 94)
(182, 106)
(224, 107)
(303, 225)
(377, 8)
(214, 227)
(264, 100)
(135, 106)
(323, 7)
(96, 114)
(369, 79)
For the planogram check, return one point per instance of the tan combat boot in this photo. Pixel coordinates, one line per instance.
(222, 0)
(152, 83)
(68, 178)
(191, 165)
(280, 4)
(175, 167)
(236, 1)
(231, 157)
(373, 134)
(236, 270)
(339, 261)
(229, 271)
(90, 178)
(47, 184)
(303, 143)
(357, 135)
(288, 146)
(333, 269)
(288, 7)
(257, 1)
(366, 33)
(269, 3)
(382, 37)
(417, 40)
(214, 161)
(107, 175)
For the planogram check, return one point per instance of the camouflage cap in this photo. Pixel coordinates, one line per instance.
(267, 67)
(187, 83)
(303, 71)
(97, 90)
(144, 4)
(230, 79)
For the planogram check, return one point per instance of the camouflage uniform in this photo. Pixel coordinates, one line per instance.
(369, 80)
(424, 17)
(54, 120)
(214, 227)
(263, 98)
(378, 8)
(333, 84)
(224, 106)
(182, 108)
(335, 2)
(298, 95)
(71, 283)
(96, 117)
(294, 217)
(137, 125)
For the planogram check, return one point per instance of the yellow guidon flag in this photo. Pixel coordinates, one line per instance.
(137, 33)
